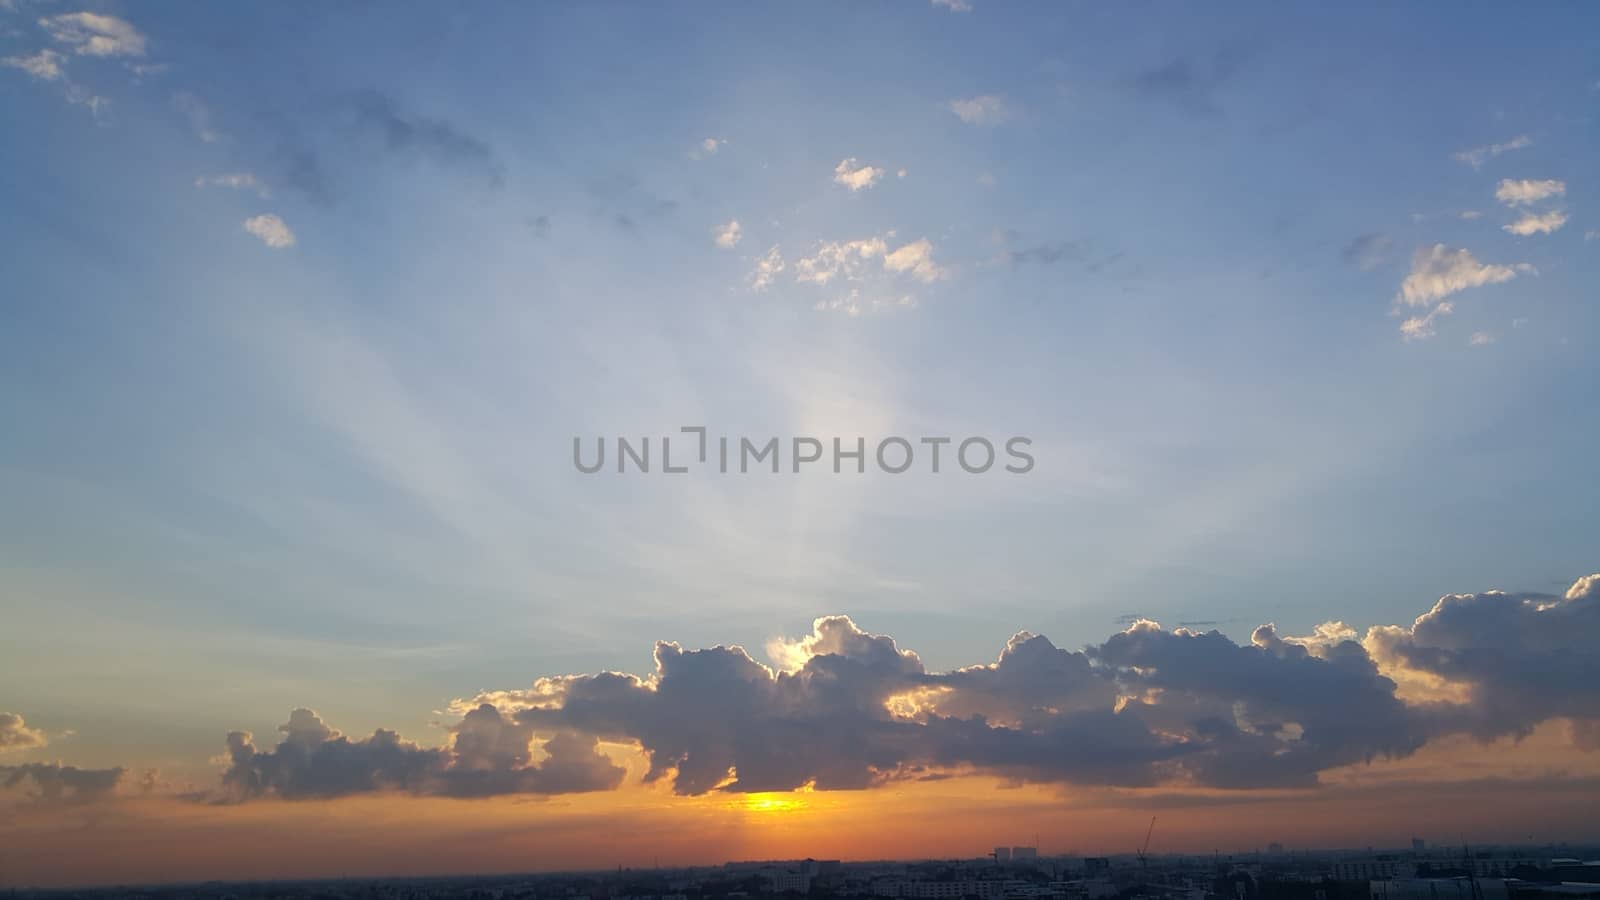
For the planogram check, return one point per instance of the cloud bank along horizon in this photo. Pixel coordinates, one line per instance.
(844, 709)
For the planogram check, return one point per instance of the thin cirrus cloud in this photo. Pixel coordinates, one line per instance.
(982, 110)
(1477, 156)
(95, 34)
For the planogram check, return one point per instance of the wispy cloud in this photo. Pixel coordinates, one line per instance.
(985, 110)
(95, 34)
(1477, 156)
(728, 234)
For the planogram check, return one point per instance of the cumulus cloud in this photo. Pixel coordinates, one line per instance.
(94, 34)
(986, 109)
(46, 65)
(727, 234)
(1477, 156)
(1537, 223)
(1521, 192)
(16, 735)
(916, 258)
(856, 177)
(1518, 659)
(272, 231)
(1438, 272)
(488, 754)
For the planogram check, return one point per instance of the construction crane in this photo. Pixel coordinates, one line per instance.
(1144, 852)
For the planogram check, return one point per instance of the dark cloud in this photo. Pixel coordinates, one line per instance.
(1524, 658)
(56, 783)
(436, 140)
(1369, 251)
(846, 709)
(489, 754)
(1191, 83)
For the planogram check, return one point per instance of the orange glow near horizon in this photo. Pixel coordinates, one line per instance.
(1516, 789)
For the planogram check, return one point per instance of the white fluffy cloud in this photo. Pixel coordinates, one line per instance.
(1437, 272)
(1477, 156)
(272, 231)
(1522, 191)
(987, 109)
(16, 735)
(94, 34)
(727, 234)
(856, 177)
(916, 258)
(1537, 223)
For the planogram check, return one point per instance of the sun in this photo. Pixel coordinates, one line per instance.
(772, 803)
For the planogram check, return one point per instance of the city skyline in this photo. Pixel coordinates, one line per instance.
(1258, 347)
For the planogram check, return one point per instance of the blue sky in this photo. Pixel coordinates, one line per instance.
(1167, 244)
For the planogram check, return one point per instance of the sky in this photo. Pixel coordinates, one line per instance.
(306, 305)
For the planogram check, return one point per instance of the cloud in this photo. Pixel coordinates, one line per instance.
(1437, 272)
(955, 6)
(44, 65)
(856, 177)
(1517, 659)
(16, 735)
(916, 258)
(836, 259)
(986, 110)
(1146, 707)
(1417, 328)
(1191, 84)
(707, 147)
(853, 261)
(1515, 192)
(54, 783)
(727, 234)
(1537, 223)
(488, 755)
(1369, 251)
(1480, 339)
(767, 269)
(428, 138)
(243, 181)
(271, 230)
(198, 114)
(94, 34)
(1477, 156)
